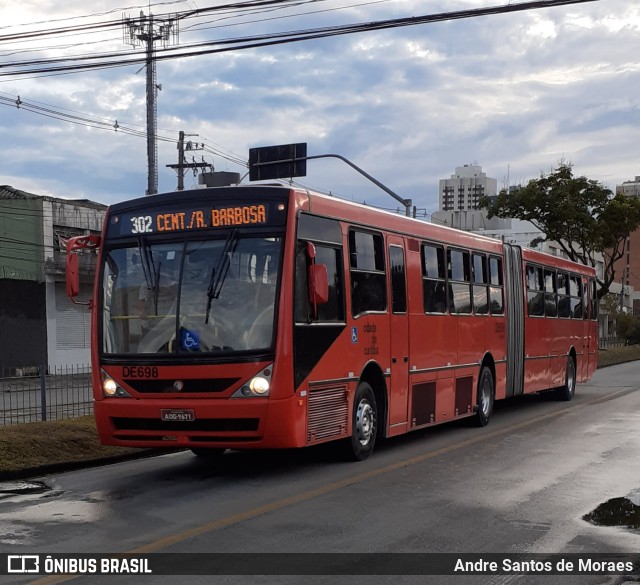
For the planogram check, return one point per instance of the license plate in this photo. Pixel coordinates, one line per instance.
(173, 415)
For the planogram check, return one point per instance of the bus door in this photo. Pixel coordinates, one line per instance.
(399, 334)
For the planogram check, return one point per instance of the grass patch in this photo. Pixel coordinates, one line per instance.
(27, 448)
(36, 445)
(618, 355)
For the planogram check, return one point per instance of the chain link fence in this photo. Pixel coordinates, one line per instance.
(39, 393)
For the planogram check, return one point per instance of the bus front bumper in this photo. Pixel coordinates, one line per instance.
(255, 423)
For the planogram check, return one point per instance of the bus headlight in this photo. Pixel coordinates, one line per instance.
(111, 388)
(258, 386)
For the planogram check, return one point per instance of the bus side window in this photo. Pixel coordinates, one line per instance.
(480, 281)
(368, 277)
(496, 286)
(459, 274)
(550, 296)
(302, 306)
(535, 291)
(575, 290)
(564, 300)
(433, 279)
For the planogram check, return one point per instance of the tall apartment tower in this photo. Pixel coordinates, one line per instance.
(465, 187)
(628, 267)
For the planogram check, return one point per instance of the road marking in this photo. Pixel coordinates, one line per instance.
(179, 537)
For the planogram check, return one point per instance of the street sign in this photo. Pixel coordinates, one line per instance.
(278, 162)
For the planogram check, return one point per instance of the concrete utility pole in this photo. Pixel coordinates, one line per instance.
(146, 30)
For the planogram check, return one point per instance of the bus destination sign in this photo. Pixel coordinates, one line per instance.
(190, 218)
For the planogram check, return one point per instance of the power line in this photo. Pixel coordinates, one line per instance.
(99, 123)
(91, 62)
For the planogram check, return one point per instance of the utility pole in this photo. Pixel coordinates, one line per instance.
(145, 30)
(183, 165)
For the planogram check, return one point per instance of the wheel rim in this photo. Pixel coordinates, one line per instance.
(485, 396)
(365, 422)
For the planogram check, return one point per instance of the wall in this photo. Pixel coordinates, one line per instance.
(23, 340)
(21, 239)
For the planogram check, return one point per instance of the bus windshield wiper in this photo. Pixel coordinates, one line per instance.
(220, 270)
(151, 273)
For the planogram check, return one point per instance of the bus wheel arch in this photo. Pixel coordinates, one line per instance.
(367, 414)
(486, 392)
(372, 374)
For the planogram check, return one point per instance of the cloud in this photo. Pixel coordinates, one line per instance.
(513, 93)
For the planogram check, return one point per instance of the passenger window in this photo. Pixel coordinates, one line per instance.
(550, 296)
(575, 290)
(564, 299)
(459, 273)
(433, 279)
(496, 288)
(535, 291)
(480, 284)
(368, 277)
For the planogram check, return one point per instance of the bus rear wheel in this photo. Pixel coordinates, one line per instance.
(486, 396)
(364, 424)
(567, 391)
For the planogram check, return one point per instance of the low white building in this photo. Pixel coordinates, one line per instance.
(41, 325)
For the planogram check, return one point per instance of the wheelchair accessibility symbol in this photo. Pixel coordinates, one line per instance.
(190, 340)
(354, 335)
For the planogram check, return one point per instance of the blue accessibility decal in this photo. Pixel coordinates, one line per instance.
(189, 340)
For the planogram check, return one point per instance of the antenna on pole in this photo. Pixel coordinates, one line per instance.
(147, 30)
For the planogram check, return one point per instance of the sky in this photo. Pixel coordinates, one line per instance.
(516, 93)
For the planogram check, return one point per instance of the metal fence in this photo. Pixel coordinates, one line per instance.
(39, 393)
(610, 342)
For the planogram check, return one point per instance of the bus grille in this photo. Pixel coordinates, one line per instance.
(188, 386)
(328, 413)
(202, 424)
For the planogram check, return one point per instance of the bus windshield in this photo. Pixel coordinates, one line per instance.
(190, 296)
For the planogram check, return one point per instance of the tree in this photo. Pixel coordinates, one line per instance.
(580, 214)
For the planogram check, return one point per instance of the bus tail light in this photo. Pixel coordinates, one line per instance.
(258, 386)
(110, 388)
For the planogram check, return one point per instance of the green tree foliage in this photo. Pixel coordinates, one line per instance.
(628, 328)
(580, 214)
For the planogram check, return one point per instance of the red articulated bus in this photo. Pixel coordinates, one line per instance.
(272, 317)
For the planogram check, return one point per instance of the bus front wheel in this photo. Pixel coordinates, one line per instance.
(486, 395)
(364, 424)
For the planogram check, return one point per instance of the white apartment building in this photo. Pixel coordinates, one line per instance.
(462, 191)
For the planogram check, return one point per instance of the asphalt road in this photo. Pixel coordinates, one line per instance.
(521, 485)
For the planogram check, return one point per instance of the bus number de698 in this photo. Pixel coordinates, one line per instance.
(139, 372)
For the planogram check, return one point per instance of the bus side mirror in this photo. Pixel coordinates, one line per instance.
(73, 276)
(317, 281)
(318, 284)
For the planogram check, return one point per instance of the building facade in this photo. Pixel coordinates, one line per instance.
(41, 325)
(628, 267)
(462, 191)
